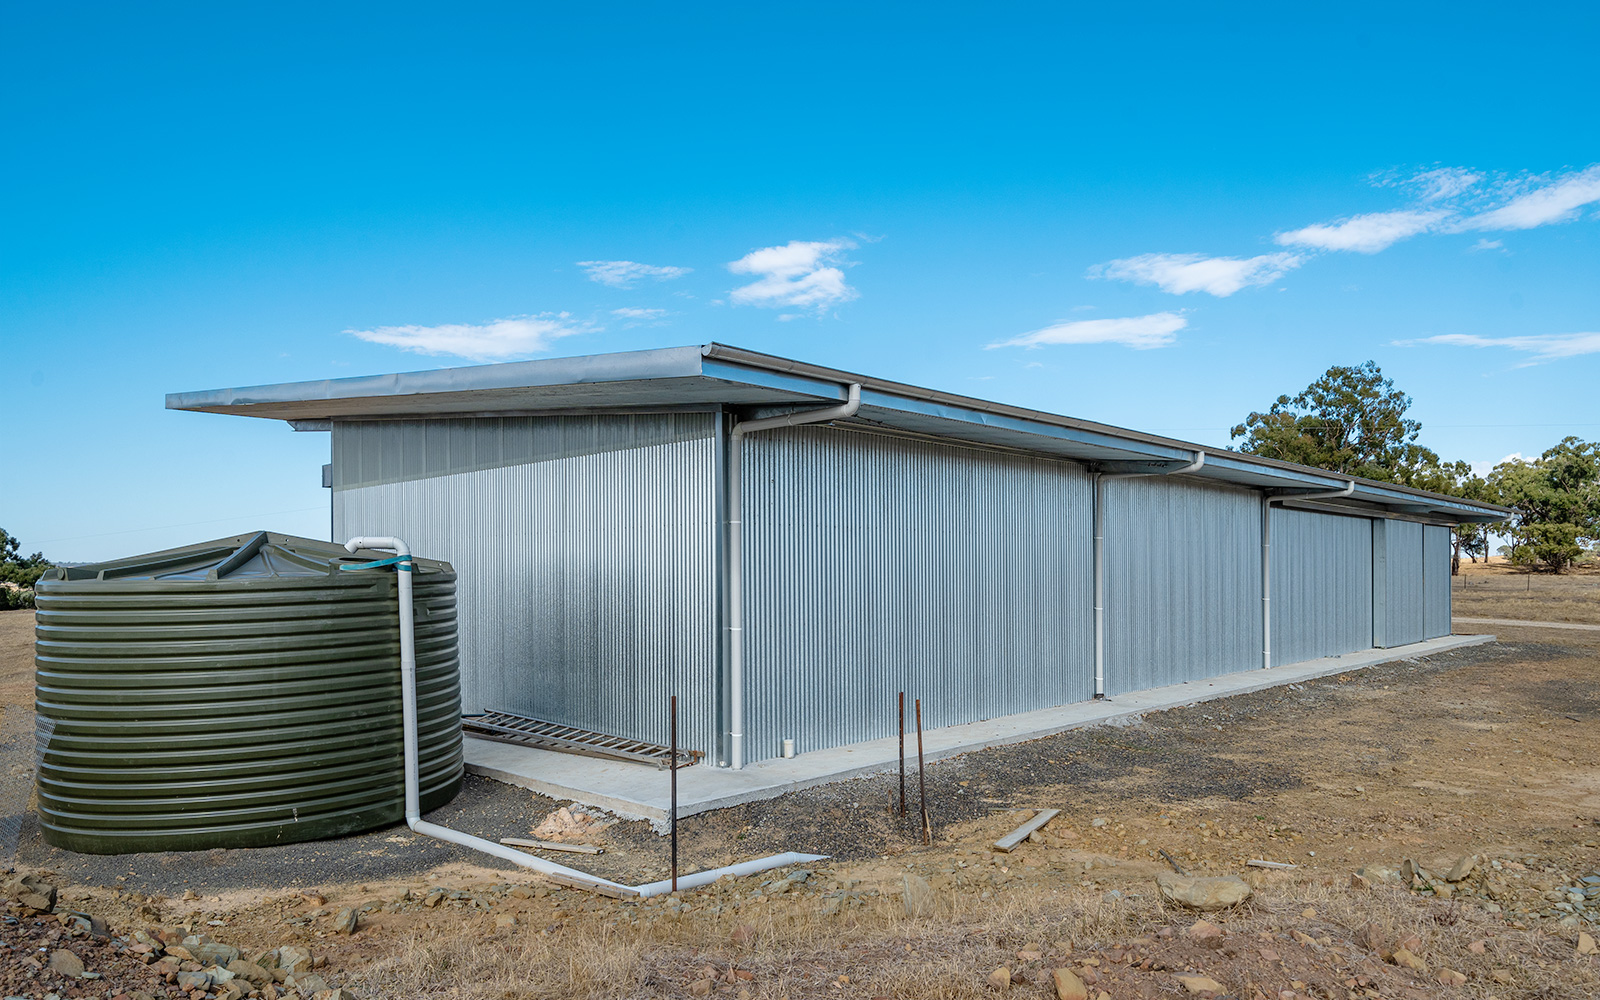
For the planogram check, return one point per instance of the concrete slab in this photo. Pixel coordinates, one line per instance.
(639, 791)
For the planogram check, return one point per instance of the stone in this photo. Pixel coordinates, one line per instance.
(215, 953)
(1406, 960)
(433, 898)
(1501, 976)
(250, 972)
(1359, 882)
(1203, 893)
(1450, 977)
(344, 922)
(334, 994)
(918, 896)
(1586, 945)
(1200, 984)
(1068, 985)
(66, 963)
(700, 987)
(308, 984)
(1000, 979)
(1478, 947)
(1302, 937)
(191, 981)
(1462, 868)
(744, 935)
(180, 953)
(292, 958)
(1099, 821)
(504, 921)
(1207, 933)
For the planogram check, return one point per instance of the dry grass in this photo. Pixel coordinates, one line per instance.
(794, 952)
(1499, 590)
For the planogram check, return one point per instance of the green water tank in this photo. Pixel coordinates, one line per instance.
(237, 693)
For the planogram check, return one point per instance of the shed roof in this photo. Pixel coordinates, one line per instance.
(712, 375)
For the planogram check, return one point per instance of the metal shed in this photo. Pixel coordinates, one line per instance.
(785, 546)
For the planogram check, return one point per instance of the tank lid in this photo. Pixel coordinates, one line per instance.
(260, 555)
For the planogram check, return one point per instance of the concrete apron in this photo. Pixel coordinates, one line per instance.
(640, 791)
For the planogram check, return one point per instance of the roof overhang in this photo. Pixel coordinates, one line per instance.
(715, 375)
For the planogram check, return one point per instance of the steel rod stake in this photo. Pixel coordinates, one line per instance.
(672, 765)
(922, 781)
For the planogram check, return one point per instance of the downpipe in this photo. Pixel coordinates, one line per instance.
(408, 730)
(1100, 559)
(735, 577)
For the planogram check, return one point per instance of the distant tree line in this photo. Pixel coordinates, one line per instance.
(1352, 420)
(18, 573)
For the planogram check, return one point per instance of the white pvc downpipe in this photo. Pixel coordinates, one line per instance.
(1266, 558)
(1100, 558)
(735, 596)
(408, 728)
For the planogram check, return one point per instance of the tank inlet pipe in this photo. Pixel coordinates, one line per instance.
(1100, 558)
(735, 571)
(1267, 500)
(408, 722)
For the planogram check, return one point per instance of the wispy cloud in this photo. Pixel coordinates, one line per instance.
(1542, 347)
(1142, 333)
(1363, 233)
(632, 317)
(495, 340)
(1179, 273)
(796, 275)
(1542, 203)
(1485, 243)
(1438, 184)
(625, 273)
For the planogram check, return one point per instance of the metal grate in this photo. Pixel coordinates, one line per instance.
(509, 727)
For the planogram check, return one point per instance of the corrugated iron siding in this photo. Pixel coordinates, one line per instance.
(1183, 582)
(1321, 585)
(1397, 583)
(1435, 581)
(585, 552)
(875, 565)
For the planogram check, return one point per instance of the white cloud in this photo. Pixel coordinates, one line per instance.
(1178, 273)
(1142, 333)
(797, 274)
(1556, 201)
(1543, 347)
(492, 341)
(1443, 183)
(1487, 244)
(624, 273)
(1363, 233)
(630, 313)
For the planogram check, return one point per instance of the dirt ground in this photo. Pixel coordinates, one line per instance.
(1487, 752)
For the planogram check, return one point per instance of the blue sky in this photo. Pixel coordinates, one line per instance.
(1171, 213)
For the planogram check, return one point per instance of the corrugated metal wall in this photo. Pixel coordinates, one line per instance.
(585, 548)
(1396, 583)
(1435, 581)
(1182, 580)
(875, 565)
(1321, 585)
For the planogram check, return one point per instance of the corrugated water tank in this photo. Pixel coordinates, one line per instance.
(237, 693)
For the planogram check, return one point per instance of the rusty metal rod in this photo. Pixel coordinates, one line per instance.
(922, 781)
(672, 765)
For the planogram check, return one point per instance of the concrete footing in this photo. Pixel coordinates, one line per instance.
(639, 791)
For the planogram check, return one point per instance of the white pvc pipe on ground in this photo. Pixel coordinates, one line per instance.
(408, 727)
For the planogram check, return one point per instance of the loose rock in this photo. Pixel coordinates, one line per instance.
(918, 896)
(1203, 893)
(66, 963)
(1068, 985)
(1200, 984)
(1000, 978)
